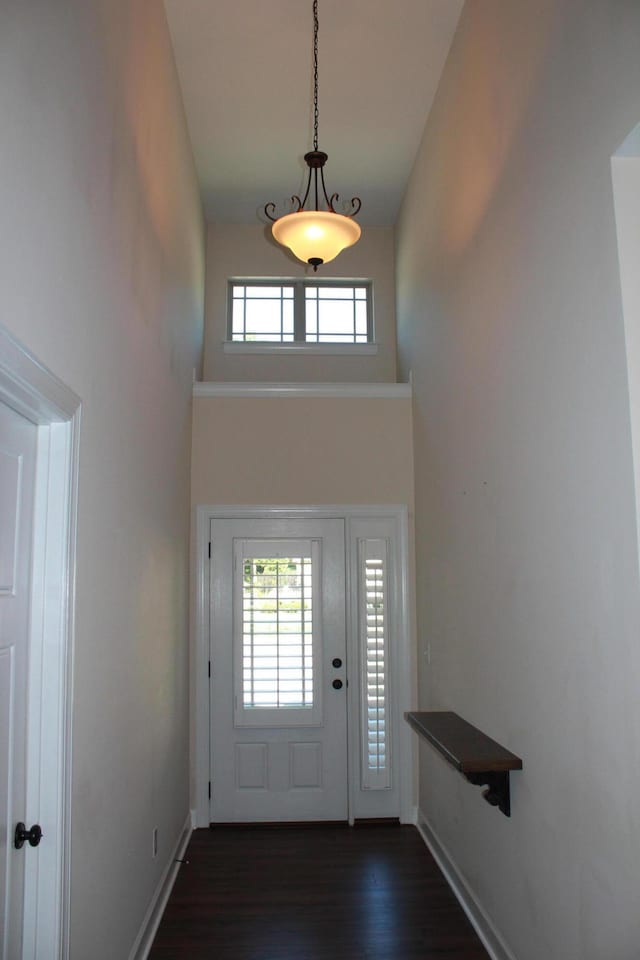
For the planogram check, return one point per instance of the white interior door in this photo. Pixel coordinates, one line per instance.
(17, 477)
(278, 705)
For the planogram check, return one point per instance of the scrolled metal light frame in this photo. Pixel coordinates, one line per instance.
(315, 160)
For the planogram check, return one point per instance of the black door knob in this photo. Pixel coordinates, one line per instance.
(34, 836)
(337, 662)
(337, 684)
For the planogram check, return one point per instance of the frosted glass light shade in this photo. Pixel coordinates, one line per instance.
(316, 234)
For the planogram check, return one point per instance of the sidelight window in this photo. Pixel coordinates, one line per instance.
(374, 653)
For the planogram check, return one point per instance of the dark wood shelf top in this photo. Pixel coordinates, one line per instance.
(463, 745)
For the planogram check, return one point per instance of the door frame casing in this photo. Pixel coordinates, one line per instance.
(404, 681)
(36, 394)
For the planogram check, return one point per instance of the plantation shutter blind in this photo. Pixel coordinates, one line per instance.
(276, 633)
(373, 602)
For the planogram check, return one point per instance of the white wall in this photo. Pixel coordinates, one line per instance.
(302, 450)
(250, 251)
(625, 172)
(102, 276)
(509, 314)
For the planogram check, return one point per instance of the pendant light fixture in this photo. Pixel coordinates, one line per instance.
(316, 235)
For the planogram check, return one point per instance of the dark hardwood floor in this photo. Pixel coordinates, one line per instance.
(316, 893)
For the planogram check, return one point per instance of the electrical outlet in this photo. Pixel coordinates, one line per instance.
(154, 843)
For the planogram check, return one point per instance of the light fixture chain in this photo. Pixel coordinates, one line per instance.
(315, 74)
(315, 236)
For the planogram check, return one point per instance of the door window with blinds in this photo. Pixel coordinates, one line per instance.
(277, 633)
(373, 603)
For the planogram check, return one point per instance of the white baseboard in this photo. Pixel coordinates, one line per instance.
(411, 816)
(482, 924)
(153, 916)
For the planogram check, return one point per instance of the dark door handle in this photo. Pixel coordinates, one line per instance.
(337, 684)
(34, 836)
(337, 662)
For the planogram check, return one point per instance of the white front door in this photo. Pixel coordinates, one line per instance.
(278, 708)
(17, 476)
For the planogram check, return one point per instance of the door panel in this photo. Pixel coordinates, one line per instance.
(17, 472)
(278, 724)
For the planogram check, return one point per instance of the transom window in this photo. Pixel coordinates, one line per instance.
(300, 311)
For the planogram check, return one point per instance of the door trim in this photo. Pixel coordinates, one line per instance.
(406, 674)
(34, 392)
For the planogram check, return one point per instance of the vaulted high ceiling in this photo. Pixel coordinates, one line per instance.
(245, 68)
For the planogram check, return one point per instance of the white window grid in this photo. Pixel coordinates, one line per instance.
(300, 311)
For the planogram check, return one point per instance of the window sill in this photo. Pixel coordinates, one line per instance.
(301, 349)
(369, 391)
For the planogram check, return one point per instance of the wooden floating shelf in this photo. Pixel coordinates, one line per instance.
(479, 758)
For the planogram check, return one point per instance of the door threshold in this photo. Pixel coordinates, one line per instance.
(304, 824)
(278, 824)
(377, 822)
